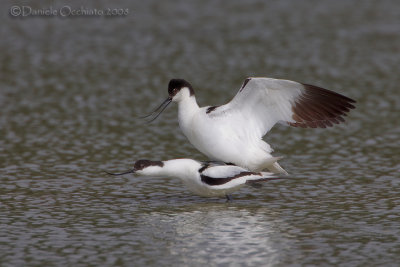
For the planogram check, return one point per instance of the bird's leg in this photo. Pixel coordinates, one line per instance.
(228, 198)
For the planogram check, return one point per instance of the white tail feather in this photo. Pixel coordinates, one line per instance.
(273, 166)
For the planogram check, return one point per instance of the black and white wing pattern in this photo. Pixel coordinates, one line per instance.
(263, 102)
(218, 175)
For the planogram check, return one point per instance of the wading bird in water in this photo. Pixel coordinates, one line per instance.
(208, 179)
(233, 132)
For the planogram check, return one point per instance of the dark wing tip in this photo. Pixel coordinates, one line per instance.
(317, 107)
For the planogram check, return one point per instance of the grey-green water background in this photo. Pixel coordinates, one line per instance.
(71, 91)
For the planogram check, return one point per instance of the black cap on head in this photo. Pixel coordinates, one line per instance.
(175, 85)
(144, 163)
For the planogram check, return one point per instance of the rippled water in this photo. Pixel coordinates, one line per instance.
(71, 91)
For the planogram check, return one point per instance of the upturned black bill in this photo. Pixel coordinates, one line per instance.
(163, 106)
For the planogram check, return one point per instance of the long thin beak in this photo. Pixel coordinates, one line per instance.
(163, 106)
(122, 173)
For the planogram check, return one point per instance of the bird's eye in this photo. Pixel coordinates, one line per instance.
(175, 89)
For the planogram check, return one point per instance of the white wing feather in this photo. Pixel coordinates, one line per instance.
(263, 102)
(267, 101)
(223, 171)
(219, 176)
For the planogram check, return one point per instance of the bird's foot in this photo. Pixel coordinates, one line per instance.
(228, 198)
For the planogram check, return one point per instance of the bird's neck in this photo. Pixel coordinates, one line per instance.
(184, 169)
(187, 108)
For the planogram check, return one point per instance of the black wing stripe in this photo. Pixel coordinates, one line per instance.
(220, 181)
(244, 84)
(211, 109)
(205, 166)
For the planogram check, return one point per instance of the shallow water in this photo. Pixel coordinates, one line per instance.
(71, 91)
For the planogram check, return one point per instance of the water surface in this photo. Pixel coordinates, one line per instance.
(71, 91)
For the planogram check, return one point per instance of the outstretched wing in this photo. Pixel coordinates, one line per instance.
(262, 102)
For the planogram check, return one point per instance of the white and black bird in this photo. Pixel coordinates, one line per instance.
(233, 132)
(208, 179)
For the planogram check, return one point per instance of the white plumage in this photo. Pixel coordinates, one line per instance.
(233, 132)
(208, 179)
